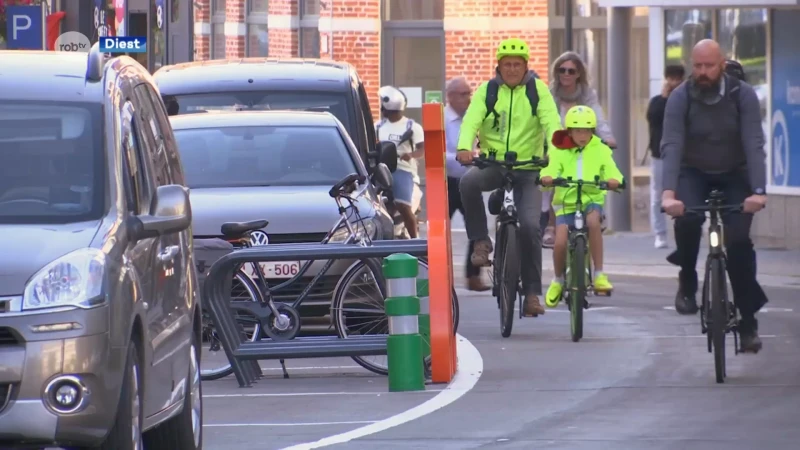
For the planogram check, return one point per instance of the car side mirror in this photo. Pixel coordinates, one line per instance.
(170, 212)
(387, 154)
(382, 177)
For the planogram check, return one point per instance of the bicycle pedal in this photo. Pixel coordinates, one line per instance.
(603, 293)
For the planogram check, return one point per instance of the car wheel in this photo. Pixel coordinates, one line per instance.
(126, 434)
(184, 431)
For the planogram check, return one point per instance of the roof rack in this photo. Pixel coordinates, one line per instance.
(95, 63)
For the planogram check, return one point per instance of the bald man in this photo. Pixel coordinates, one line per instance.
(713, 140)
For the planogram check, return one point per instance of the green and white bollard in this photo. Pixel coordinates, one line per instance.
(404, 344)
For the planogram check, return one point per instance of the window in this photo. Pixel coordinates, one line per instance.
(308, 32)
(684, 28)
(52, 162)
(137, 193)
(252, 156)
(309, 8)
(162, 121)
(335, 104)
(152, 138)
(257, 43)
(413, 10)
(217, 29)
(174, 10)
(157, 36)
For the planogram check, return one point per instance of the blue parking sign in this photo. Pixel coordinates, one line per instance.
(25, 27)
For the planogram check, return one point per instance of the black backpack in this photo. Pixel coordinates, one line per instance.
(735, 69)
(491, 97)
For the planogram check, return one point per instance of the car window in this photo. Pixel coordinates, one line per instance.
(162, 118)
(153, 136)
(137, 189)
(364, 99)
(335, 104)
(52, 162)
(263, 156)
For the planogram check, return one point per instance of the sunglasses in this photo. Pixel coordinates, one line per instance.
(567, 70)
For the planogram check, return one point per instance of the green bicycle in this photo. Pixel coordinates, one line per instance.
(579, 262)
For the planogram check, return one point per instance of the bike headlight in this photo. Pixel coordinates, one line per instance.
(365, 227)
(713, 239)
(75, 279)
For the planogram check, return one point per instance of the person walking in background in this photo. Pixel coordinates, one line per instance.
(673, 76)
(569, 84)
(458, 94)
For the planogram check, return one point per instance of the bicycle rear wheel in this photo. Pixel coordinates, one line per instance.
(719, 316)
(508, 276)
(577, 297)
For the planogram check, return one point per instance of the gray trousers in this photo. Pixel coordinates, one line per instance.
(528, 200)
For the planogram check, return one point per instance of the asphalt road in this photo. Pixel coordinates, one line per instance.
(641, 378)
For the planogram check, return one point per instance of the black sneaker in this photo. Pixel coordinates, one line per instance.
(749, 341)
(685, 304)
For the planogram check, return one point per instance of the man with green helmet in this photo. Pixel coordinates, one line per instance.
(512, 112)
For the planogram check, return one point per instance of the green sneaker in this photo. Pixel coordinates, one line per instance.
(553, 296)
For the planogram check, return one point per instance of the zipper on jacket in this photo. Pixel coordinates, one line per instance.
(510, 114)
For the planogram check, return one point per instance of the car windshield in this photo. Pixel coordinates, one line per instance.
(263, 156)
(51, 162)
(335, 104)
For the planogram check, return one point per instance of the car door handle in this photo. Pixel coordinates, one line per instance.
(169, 253)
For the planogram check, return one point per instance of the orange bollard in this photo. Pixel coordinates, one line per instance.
(440, 258)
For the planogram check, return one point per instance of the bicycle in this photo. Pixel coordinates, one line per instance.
(506, 285)
(718, 315)
(578, 275)
(281, 321)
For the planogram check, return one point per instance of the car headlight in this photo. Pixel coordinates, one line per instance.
(365, 227)
(75, 279)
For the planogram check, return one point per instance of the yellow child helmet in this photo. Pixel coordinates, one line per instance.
(513, 47)
(580, 117)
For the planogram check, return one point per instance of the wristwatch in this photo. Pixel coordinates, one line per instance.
(760, 191)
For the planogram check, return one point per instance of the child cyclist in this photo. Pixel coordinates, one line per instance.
(578, 153)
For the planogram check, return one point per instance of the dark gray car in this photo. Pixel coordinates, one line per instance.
(99, 313)
(278, 166)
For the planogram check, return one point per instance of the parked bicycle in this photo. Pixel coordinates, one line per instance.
(578, 276)
(357, 303)
(718, 315)
(506, 285)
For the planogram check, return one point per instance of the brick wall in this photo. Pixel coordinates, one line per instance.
(234, 16)
(283, 42)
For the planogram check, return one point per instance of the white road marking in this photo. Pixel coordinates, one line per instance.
(312, 394)
(470, 368)
(307, 424)
(313, 368)
(565, 310)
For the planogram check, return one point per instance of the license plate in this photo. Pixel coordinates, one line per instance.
(273, 270)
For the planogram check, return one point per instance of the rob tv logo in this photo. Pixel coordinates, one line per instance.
(123, 44)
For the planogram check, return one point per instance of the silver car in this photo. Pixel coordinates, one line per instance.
(278, 166)
(99, 313)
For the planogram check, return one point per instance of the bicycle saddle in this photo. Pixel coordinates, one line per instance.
(235, 229)
(346, 182)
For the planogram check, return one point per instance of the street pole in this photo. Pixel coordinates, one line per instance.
(568, 25)
(619, 105)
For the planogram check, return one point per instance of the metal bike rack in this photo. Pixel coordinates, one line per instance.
(242, 354)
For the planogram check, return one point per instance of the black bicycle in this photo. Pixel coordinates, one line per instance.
(718, 315)
(505, 264)
(579, 262)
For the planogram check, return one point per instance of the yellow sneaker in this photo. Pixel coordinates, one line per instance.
(553, 296)
(601, 283)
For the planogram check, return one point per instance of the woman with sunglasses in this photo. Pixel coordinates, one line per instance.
(569, 84)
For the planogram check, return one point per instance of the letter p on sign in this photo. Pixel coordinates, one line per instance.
(18, 21)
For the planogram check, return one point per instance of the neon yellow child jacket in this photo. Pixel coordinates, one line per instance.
(567, 160)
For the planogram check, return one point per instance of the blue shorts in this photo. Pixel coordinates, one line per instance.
(403, 186)
(569, 219)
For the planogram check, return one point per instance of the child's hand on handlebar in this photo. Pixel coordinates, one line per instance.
(546, 181)
(612, 184)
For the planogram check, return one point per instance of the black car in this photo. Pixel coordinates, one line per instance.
(258, 84)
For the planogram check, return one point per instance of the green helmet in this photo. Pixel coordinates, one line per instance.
(580, 117)
(513, 47)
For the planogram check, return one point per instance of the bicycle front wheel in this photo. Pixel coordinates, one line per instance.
(508, 276)
(719, 316)
(577, 297)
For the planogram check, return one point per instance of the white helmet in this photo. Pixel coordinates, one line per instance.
(392, 99)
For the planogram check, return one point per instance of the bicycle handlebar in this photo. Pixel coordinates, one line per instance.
(483, 162)
(701, 210)
(567, 182)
